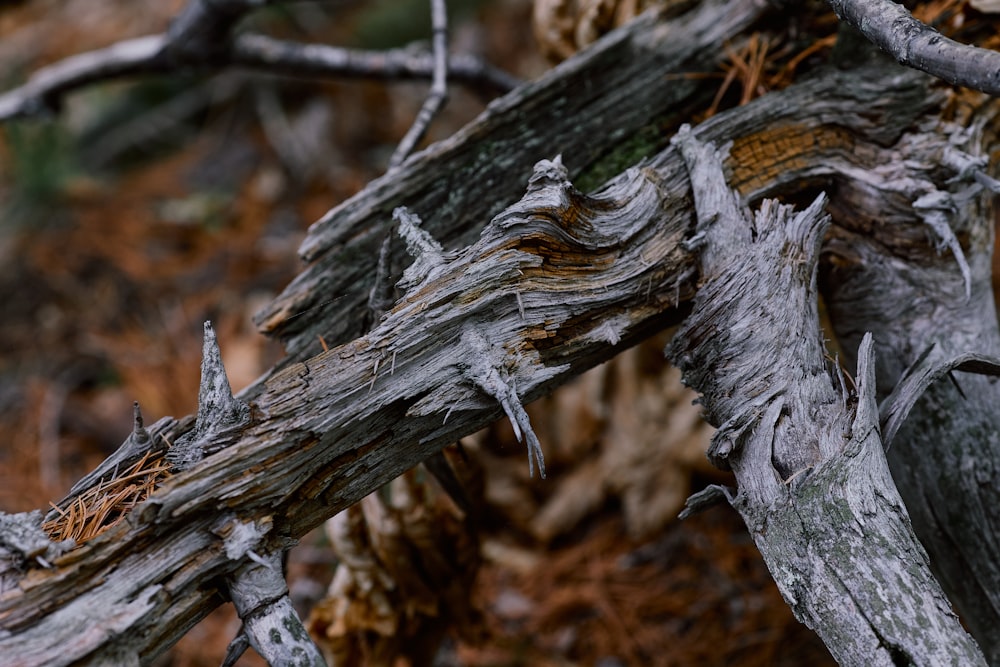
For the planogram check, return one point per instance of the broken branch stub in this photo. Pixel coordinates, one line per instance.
(814, 487)
(219, 412)
(428, 255)
(483, 365)
(484, 368)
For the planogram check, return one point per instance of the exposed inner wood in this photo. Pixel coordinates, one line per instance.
(456, 186)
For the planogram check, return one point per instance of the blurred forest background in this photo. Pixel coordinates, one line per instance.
(146, 207)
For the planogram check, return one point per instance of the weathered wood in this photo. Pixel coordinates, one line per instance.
(943, 458)
(814, 487)
(555, 284)
(623, 82)
(219, 411)
(306, 455)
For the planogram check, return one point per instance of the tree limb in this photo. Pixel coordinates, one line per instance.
(200, 37)
(306, 438)
(943, 455)
(814, 487)
(264, 53)
(555, 284)
(462, 182)
(892, 28)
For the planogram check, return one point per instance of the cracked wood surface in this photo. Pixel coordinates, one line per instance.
(944, 456)
(814, 486)
(457, 185)
(555, 284)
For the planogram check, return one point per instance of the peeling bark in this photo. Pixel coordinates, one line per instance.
(457, 185)
(303, 456)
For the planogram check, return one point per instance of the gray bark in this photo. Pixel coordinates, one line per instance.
(269, 620)
(943, 458)
(554, 284)
(814, 486)
(891, 27)
(455, 186)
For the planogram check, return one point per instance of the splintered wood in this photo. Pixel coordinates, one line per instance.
(627, 432)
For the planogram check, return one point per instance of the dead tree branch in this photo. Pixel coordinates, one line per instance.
(305, 435)
(263, 53)
(552, 285)
(438, 94)
(814, 487)
(927, 315)
(462, 182)
(556, 283)
(891, 27)
(200, 38)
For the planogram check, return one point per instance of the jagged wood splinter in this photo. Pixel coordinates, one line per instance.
(218, 410)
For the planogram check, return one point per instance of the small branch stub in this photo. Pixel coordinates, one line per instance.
(486, 372)
(934, 208)
(218, 410)
(428, 255)
(140, 445)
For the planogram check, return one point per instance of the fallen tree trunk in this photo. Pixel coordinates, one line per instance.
(555, 284)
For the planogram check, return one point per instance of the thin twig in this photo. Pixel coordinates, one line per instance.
(157, 54)
(261, 52)
(892, 28)
(439, 86)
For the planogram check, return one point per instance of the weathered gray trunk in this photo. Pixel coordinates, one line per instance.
(555, 283)
(814, 486)
(604, 111)
(944, 459)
